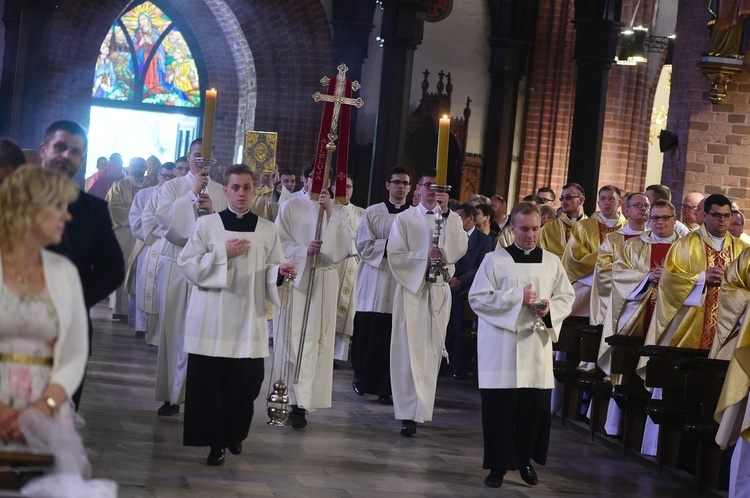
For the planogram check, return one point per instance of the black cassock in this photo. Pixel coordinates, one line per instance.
(219, 392)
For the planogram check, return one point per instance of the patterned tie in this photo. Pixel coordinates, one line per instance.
(430, 212)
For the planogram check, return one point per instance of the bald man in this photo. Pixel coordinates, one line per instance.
(689, 210)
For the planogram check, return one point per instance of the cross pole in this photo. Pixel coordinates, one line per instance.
(338, 99)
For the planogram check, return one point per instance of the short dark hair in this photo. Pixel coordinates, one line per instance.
(167, 165)
(534, 198)
(524, 208)
(307, 169)
(545, 189)
(287, 172)
(454, 204)
(398, 170)
(69, 127)
(611, 188)
(181, 159)
(500, 199)
(428, 172)
(486, 210)
(574, 185)
(197, 141)
(716, 200)
(660, 192)
(468, 210)
(237, 169)
(11, 154)
(663, 203)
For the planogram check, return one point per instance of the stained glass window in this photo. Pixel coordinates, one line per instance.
(145, 59)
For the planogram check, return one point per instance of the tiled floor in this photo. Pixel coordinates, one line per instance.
(353, 449)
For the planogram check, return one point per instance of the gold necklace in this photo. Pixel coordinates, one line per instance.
(21, 279)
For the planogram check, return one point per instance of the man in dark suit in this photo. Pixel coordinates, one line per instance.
(88, 241)
(466, 267)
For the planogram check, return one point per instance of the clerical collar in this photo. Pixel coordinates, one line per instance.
(468, 234)
(667, 240)
(574, 219)
(234, 222)
(524, 256)
(239, 215)
(394, 208)
(627, 230)
(610, 222)
(718, 241)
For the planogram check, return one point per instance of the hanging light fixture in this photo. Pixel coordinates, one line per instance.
(625, 42)
(638, 48)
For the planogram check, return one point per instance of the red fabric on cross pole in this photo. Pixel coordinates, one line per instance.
(320, 154)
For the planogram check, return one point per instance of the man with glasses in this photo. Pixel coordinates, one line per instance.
(420, 308)
(347, 269)
(688, 298)
(146, 257)
(579, 258)
(555, 234)
(636, 271)
(375, 287)
(547, 195)
(656, 192)
(689, 209)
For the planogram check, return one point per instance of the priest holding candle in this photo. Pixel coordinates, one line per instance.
(421, 306)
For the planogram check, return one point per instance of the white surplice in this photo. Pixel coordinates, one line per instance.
(146, 318)
(226, 314)
(375, 283)
(347, 269)
(420, 309)
(509, 354)
(296, 223)
(176, 215)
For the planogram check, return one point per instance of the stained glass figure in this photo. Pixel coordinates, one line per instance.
(145, 59)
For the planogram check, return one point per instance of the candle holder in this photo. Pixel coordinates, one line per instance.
(206, 164)
(440, 267)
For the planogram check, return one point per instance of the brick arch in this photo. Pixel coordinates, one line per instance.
(290, 43)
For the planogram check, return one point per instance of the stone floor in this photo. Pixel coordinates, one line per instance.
(353, 449)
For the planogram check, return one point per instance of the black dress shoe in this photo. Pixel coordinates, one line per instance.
(235, 448)
(216, 457)
(528, 474)
(168, 409)
(356, 388)
(385, 400)
(408, 427)
(139, 334)
(296, 417)
(494, 479)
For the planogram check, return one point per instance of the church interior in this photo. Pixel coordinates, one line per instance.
(539, 93)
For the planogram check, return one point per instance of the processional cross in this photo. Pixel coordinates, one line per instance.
(338, 94)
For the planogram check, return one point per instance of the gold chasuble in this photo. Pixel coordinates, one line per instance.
(733, 302)
(732, 406)
(632, 296)
(506, 237)
(579, 258)
(674, 323)
(601, 285)
(555, 234)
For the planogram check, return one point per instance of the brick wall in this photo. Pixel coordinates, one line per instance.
(714, 151)
(289, 44)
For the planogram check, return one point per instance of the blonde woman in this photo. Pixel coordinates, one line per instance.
(43, 325)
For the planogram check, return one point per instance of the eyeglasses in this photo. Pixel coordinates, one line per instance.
(426, 184)
(569, 197)
(640, 206)
(720, 216)
(687, 206)
(399, 182)
(546, 201)
(664, 218)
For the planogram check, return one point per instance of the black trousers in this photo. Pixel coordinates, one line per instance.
(219, 396)
(516, 426)
(371, 352)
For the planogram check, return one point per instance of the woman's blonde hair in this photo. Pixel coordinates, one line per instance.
(26, 193)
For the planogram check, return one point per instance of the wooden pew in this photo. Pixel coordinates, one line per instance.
(628, 390)
(16, 469)
(566, 369)
(671, 411)
(592, 382)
